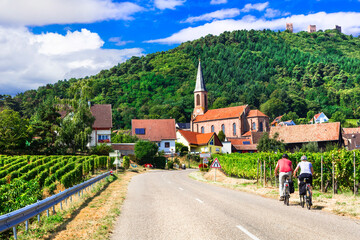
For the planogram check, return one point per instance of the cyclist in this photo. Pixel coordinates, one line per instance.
(285, 168)
(307, 171)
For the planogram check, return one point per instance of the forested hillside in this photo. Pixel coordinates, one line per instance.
(276, 72)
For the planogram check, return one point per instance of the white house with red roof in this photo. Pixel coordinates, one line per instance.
(101, 128)
(160, 131)
(320, 118)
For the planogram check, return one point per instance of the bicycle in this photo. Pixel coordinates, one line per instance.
(286, 191)
(307, 198)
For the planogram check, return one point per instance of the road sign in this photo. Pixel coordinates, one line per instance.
(206, 160)
(215, 164)
(205, 155)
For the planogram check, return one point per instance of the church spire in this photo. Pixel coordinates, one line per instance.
(200, 84)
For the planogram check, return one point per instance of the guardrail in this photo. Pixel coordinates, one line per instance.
(11, 220)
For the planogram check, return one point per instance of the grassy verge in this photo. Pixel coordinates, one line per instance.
(344, 204)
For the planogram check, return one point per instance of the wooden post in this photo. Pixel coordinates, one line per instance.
(264, 174)
(333, 176)
(257, 173)
(354, 176)
(270, 176)
(322, 173)
(261, 172)
(275, 175)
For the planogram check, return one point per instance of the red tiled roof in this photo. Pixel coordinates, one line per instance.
(308, 133)
(317, 115)
(155, 129)
(251, 147)
(277, 119)
(351, 130)
(247, 134)
(195, 138)
(221, 113)
(256, 113)
(103, 115)
(239, 141)
(123, 146)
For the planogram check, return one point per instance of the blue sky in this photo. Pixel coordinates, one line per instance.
(43, 41)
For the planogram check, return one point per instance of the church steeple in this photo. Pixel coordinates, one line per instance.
(200, 94)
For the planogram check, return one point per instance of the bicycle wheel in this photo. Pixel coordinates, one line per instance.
(286, 196)
(302, 201)
(308, 199)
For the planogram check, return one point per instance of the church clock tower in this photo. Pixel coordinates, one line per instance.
(200, 94)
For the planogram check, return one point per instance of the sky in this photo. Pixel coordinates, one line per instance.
(43, 41)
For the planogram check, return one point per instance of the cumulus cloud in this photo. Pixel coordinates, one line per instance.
(119, 42)
(168, 4)
(272, 13)
(257, 6)
(349, 21)
(28, 61)
(220, 14)
(45, 12)
(216, 2)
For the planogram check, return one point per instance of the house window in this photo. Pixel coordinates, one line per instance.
(212, 128)
(260, 126)
(197, 99)
(234, 128)
(159, 144)
(103, 138)
(246, 142)
(140, 131)
(253, 126)
(223, 128)
(212, 142)
(167, 144)
(202, 129)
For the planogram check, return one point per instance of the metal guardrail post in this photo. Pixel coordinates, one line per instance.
(47, 212)
(54, 209)
(15, 233)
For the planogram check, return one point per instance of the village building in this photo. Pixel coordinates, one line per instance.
(295, 136)
(351, 138)
(183, 126)
(160, 131)
(247, 143)
(287, 123)
(199, 142)
(233, 121)
(276, 121)
(319, 118)
(101, 128)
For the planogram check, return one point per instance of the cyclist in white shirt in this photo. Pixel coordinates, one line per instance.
(307, 170)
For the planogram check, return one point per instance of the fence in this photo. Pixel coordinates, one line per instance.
(11, 220)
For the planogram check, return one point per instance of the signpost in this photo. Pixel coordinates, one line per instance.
(117, 161)
(215, 165)
(205, 157)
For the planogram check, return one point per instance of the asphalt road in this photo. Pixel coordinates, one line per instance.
(170, 205)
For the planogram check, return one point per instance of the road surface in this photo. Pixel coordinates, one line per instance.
(170, 205)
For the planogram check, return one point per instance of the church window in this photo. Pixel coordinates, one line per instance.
(260, 126)
(212, 128)
(253, 126)
(223, 128)
(234, 128)
(205, 100)
(197, 99)
(202, 129)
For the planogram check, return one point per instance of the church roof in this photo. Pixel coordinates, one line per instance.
(256, 113)
(200, 84)
(221, 113)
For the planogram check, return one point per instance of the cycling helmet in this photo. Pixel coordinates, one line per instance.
(285, 155)
(303, 158)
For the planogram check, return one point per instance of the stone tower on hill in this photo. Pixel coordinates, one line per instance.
(289, 27)
(200, 94)
(311, 28)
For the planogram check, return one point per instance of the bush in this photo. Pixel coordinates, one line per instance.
(101, 149)
(160, 162)
(170, 164)
(126, 162)
(145, 152)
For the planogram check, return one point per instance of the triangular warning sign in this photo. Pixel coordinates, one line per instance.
(215, 164)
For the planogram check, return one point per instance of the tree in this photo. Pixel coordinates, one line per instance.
(338, 117)
(290, 116)
(145, 151)
(273, 107)
(14, 131)
(267, 144)
(221, 136)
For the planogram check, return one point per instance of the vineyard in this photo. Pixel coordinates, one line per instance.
(24, 178)
(246, 166)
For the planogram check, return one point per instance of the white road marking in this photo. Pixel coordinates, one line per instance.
(247, 232)
(181, 189)
(199, 200)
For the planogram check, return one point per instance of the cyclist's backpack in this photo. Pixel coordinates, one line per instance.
(302, 188)
(291, 186)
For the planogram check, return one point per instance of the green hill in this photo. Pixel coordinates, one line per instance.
(276, 72)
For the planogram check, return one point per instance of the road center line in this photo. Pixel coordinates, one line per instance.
(247, 232)
(199, 200)
(181, 189)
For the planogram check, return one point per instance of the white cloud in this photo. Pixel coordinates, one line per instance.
(272, 13)
(257, 6)
(220, 14)
(216, 2)
(44, 12)
(119, 42)
(28, 61)
(168, 4)
(349, 21)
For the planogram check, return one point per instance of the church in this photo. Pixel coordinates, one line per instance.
(236, 122)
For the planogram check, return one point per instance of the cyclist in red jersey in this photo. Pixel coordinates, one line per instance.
(285, 168)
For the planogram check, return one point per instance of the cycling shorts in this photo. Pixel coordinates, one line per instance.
(306, 175)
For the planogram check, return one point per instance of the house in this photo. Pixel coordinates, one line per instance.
(351, 138)
(160, 131)
(124, 148)
(199, 142)
(233, 121)
(296, 136)
(101, 128)
(183, 126)
(276, 121)
(287, 123)
(319, 118)
(248, 142)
